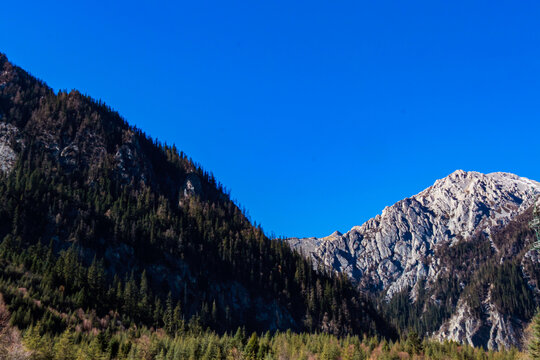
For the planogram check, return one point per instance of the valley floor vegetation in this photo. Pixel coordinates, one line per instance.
(196, 344)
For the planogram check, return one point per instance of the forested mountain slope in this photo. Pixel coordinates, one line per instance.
(453, 260)
(104, 228)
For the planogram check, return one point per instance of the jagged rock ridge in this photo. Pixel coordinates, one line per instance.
(396, 249)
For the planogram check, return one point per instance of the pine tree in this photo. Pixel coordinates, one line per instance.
(534, 344)
(414, 343)
(158, 313)
(178, 320)
(252, 347)
(143, 292)
(94, 350)
(96, 277)
(168, 316)
(63, 349)
(239, 338)
(214, 313)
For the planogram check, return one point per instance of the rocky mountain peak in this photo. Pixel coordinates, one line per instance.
(395, 250)
(334, 235)
(388, 251)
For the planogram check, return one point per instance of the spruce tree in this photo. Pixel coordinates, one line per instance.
(252, 347)
(63, 349)
(168, 316)
(178, 320)
(534, 344)
(414, 343)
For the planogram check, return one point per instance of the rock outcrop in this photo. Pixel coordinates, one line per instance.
(10, 140)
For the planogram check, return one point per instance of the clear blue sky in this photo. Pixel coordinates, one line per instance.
(315, 114)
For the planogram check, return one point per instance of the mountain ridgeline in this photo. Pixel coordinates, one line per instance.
(104, 228)
(453, 262)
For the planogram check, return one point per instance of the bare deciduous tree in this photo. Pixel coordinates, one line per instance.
(11, 347)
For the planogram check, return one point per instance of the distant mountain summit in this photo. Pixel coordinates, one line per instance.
(400, 249)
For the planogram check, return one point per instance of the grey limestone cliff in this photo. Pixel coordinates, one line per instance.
(396, 249)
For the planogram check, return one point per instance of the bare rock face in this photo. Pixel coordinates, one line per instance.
(130, 163)
(462, 327)
(395, 250)
(10, 139)
(494, 330)
(192, 186)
